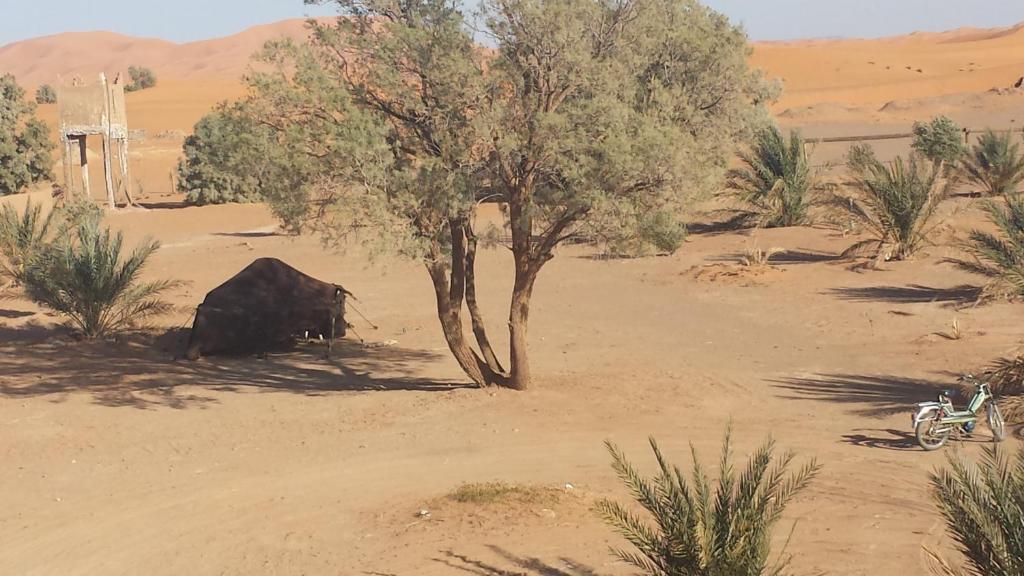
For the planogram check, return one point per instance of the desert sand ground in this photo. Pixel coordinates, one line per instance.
(119, 459)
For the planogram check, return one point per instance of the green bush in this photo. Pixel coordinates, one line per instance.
(231, 157)
(1000, 257)
(896, 204)
(25, 146)
(22, 237)
(83, 277)
(995, 163)
(140, 78)
(983, 506)
(776, 181)
(45, 94)
(705, 530)
(940, 140)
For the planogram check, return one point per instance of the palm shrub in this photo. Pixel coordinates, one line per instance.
(1000, 257)
(994, 163)
(1007, 382)
(895, 204)
(775, 181)
(22, 237)
(705, 531)
(983, 506)
(84, 278)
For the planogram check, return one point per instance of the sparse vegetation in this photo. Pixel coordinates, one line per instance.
(22, 237)
(776, 182)
(1000, 257)
(702, 529)
(995, 164)
(895, 204)
(139, 78)
(756, 257)
(488, 493)
(83, 277)
(231, 157)
(25, 146)
(45, 94)
(940, 140)
(1007, 382)
(983, 505)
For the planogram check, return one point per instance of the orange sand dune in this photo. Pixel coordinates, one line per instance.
(46, 59)
(874, 72)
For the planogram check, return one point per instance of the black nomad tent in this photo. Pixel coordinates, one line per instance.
(266, 306)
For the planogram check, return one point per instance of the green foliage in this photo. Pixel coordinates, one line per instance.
(22, 237)
(83, 277)
(622, 232)
(25, 147)
(896, 204)
(940, 140)
(701, 529)
(983, 505)
(995, 163)
(580, 105)
(1000, 257)
(231, 157)
(45, 94)
(776, 181)
(139, 78)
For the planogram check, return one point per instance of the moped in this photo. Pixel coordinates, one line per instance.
(935, 421)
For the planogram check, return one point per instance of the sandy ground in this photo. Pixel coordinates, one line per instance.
(117, 459)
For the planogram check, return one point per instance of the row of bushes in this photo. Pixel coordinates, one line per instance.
(716, 528)
(895, 203)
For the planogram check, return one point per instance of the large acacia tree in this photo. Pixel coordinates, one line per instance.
(564, 111)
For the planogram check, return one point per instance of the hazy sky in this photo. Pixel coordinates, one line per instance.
(185, 20)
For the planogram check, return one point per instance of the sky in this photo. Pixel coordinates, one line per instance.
(188, 20)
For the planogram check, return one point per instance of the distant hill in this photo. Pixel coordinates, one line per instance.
(86, 54)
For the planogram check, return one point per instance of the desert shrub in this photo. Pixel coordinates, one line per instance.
(45, 94)
(1007, 382)
(140, 78)
(895, 204)
(22, 237)
(621, 230)
(994, 163)
(940, 140)
(983, 506)
(25, 146)
(705, 530)
(232, 157)
(83, 277)
(1000, 257)
(776, 181)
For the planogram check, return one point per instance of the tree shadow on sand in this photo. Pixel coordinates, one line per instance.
(873, 396)
(38, 362)
(523, 566)
(913, 294)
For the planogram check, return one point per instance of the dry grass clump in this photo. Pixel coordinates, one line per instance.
(491, 493)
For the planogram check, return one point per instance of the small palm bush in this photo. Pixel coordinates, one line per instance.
(776, 181)
(1007, 383)
(22, 238)
(995, 163)
(703, 531)
(983, 506)
(1000, 257)
(85, 279)
(896, 204)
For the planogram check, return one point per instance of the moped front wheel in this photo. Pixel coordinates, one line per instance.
(930, 436)
(996, 422)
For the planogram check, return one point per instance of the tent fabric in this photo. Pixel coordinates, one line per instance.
(263, 307)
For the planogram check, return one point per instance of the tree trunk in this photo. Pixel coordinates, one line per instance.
(479, 329)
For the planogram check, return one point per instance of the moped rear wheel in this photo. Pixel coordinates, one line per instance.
(996, 423)
(929, 437)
